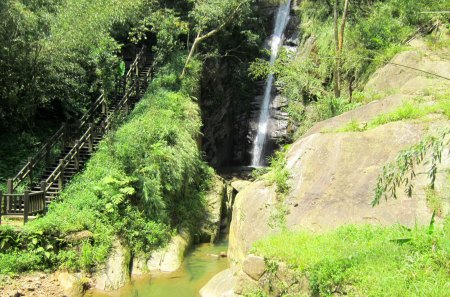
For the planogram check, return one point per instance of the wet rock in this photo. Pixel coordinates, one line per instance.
(139, 266)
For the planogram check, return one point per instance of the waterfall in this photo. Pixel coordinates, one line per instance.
(281, 21)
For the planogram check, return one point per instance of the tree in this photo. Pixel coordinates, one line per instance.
(211, 17)
(339, 42)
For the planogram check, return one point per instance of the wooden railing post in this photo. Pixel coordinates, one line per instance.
(77, 153)
(138, 91)
(126, 105)
(91, 138)
(61, 175)
(30, 169)
(26, 206)
(44, 191)
(9, 186)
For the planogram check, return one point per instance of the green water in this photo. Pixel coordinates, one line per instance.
(200, 265)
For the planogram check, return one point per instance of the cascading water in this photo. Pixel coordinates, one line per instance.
(275, 43)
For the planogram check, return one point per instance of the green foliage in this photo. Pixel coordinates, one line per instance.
(24, 251)
(366, 260)
(210, 14)
(402, 172)
(434, 200)
(375, 32)
(278, 174)
(18, 262)
(145, 180)
(56, 55)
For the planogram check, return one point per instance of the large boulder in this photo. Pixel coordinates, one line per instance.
(333, 174)
(170, 258)
(221, 285)
(116, 272)
(210, 230)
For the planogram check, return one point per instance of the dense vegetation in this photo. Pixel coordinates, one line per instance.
(145, 179)
(56, 57)
(367, 260)
(374, 32)
(148, 178)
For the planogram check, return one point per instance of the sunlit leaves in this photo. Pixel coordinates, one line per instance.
(402, 172)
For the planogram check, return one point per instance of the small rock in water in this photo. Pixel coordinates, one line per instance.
(18, 294)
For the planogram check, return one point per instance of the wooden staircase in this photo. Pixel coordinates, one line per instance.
(75, 147)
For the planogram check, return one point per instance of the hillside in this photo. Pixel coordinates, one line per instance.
(333, 168)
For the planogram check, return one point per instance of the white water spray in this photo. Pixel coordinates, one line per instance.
(275, 43)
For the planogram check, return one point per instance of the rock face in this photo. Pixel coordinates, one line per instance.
(402, 80)
(73, 284)
(215, 200)
(278, 123)
(170, 258)
(116, 272)
(333, 174)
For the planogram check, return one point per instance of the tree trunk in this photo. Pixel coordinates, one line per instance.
(344, 19)
(337, 78)
(200, 37)
(191, 54)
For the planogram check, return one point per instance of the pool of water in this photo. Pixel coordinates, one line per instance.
(199, 266)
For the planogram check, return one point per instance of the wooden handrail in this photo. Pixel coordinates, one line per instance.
(36, 200)
(38, 157)
(27, 204)
(90, 113)
(71, 155)
(136, 62)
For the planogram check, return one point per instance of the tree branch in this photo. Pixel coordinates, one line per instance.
(211, 33)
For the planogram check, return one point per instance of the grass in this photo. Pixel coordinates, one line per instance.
(367, 260)
(418, 108)
(434, 200)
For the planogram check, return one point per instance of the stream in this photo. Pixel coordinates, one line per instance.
(198, 267)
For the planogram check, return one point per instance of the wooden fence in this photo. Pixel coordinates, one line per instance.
(26, 204)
